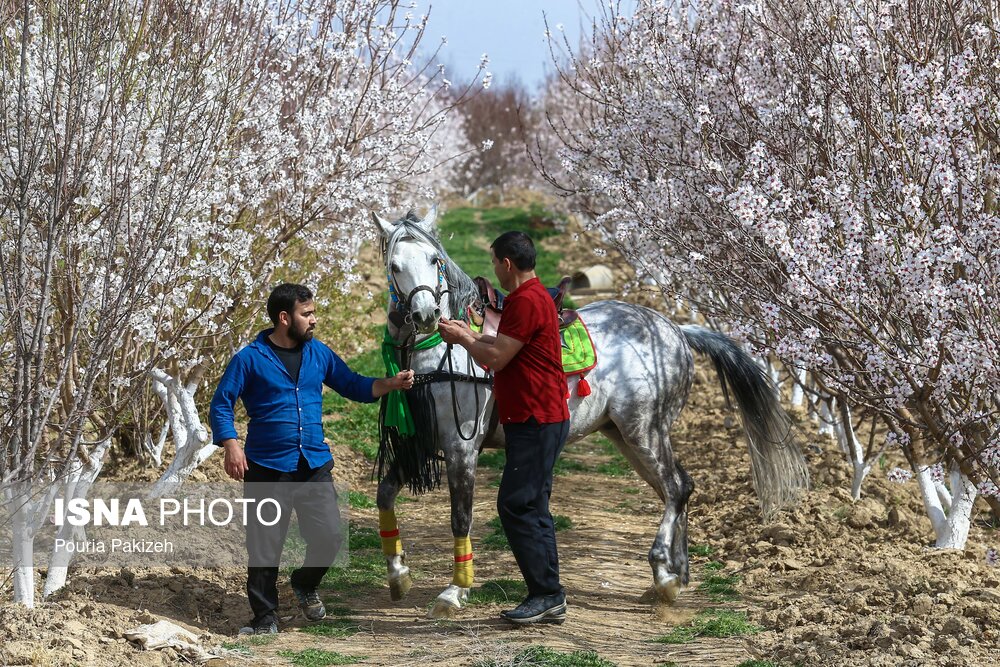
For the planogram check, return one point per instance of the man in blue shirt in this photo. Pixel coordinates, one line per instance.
(280, 377)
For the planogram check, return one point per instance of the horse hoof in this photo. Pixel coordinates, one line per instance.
(400, 586)
(442, 609)
(668, 590)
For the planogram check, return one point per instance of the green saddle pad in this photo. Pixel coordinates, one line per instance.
(578, 353)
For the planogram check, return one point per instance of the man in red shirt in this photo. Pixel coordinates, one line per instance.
(530, 391)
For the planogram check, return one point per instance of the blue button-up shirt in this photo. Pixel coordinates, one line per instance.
(286, 419)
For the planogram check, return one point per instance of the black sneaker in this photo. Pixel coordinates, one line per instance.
(310, 604)
(538, 609)
(262, 628)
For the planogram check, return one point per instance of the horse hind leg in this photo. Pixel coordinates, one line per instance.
(398, 572)
(652, 457)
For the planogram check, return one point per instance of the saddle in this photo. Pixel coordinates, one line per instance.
(491, 300)
(579, 355)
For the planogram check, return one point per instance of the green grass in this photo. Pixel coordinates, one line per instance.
(561, 522)
(314, 657)
(497, 540)
(712, 623)
(719, 588)
(364, 538)
(356, 424)
(618, 466)
(335, 627)
(541, 656)
(565, 466)
(365, 573)
(713, 566)
(499, 591)
(493, 460)
(757, 663)
(358, 500)
(698, 549)
(467, 233)
(242, 644)
(632, 491)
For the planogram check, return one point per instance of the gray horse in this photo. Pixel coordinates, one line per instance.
(639, 386)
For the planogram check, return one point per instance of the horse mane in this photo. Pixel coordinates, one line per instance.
(462, 291)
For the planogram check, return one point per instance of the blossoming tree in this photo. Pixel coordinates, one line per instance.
(823, 176)
(160, 167)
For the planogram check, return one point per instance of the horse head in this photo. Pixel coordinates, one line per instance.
(417, 268)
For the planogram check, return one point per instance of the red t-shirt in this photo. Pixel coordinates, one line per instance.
(532, 384)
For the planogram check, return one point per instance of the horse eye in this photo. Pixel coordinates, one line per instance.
(435, 260)
(394, 267)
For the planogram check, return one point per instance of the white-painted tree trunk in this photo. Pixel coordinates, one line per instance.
(774, 372)
(825, 416)
(81, 477)
(843, 427)
(18, 498)
(155, 450)
(191, 442)
(951, 529)
(798, 388)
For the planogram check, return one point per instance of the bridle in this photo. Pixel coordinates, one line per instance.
(404, 307)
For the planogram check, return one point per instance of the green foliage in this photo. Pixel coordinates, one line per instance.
(493, 460)
(757, 663)
(336, 627)
(541, 656)
(314, 657)
(499, 591)
(364, 538)
(632, 491)
(712, 623)
(359, 500)
(713, 566)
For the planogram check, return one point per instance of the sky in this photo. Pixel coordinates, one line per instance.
(512, 32)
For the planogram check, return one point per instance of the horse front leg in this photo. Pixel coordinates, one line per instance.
(392, 545)
(462, 487)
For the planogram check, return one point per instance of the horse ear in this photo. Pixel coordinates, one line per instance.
(429, 223)
(384, 225)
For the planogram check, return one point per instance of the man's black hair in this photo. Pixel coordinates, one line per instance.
(284, 297)
(517, 247)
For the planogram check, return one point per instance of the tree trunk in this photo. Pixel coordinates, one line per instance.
(191, 441)
(951, 529)
(85, 470)
(18, 497)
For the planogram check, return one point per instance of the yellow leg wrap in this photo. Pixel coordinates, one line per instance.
(463, 562)
(388, 530)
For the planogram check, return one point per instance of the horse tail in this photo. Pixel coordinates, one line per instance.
(777, 465)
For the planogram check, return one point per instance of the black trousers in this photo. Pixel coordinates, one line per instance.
(311, 493)
(523, 501)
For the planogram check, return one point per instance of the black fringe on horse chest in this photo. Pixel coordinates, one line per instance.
(412, 459)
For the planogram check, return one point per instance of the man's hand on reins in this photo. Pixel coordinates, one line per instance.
(402, 380)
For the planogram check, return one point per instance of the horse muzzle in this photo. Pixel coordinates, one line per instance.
(426, 320)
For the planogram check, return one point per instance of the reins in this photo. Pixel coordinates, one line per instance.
(410, 345)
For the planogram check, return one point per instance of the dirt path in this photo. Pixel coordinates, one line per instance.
(830, 583)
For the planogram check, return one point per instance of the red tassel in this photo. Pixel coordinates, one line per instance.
(583, 388)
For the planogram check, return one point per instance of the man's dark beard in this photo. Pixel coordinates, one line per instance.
(300, 336)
